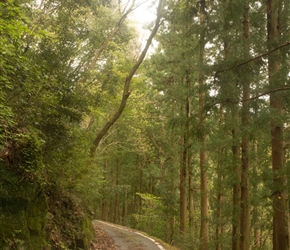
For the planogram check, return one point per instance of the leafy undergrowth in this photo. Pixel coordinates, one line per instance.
(67, 225)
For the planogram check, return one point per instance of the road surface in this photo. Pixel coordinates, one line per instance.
(127, 239)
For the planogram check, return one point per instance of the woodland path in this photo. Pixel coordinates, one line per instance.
(115, 237)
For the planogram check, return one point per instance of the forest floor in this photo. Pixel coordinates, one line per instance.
(115, 237)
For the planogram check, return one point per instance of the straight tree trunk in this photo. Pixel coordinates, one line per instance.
(256, 210)
(171, 219)
(140, 188)
(189, 156)
(182, 188)
(125, 207)
(236, 187)
(280, 194)
(116, 207)
(191, 202)
(257, 231)
(204, 199)
(204, 236)
(245, 184)
(232, 113)
(105, 201)
(219, 227)
(219, 194)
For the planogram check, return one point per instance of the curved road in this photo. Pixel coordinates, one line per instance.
(127, 239)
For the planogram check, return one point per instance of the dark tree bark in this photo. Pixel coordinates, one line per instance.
(280, 194)
(219, 204)
(183, 186)
(236, 187)
(204, 197)
(245, 164)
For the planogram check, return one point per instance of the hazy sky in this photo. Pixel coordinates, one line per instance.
(144, 15)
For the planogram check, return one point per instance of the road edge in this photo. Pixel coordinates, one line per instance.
(132, 231)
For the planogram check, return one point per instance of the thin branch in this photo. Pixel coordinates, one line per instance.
(136, 6)
(252, 59)
(265, 93)
(110, 145)
(252, 98)
(109, 38)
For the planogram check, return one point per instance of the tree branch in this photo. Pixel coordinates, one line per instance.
(127, 83)
(252, 98)
(252, 59)
(104, 45)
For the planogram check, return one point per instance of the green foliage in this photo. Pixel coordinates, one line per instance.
(66, 221)
(45, 50)
(56, 91)
(151, 218)
(23, 211)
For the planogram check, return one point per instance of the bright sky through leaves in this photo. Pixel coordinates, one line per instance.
(143, 17)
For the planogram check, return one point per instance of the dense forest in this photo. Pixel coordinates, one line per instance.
(188, 143)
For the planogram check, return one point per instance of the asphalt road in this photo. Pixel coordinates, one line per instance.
(127, 239)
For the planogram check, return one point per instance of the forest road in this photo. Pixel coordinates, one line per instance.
(126, 238)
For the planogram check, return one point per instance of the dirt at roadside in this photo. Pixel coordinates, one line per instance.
(103, 241)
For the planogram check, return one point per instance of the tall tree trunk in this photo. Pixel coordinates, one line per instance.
(125, 207)
(219, 227)
(183, 187)
(139, 203)
(236, 186)
(171, 217)
(116, 207)
(185, 161)
(189, 155)
(204, 236)
(280, 194)
(104, 215)
(219, 194)
(257, 230)
(191, 202)
(204, 199)
(245, 184)
(233, 115)
(256, 209)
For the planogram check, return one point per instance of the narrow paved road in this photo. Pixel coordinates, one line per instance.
(127, 239)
